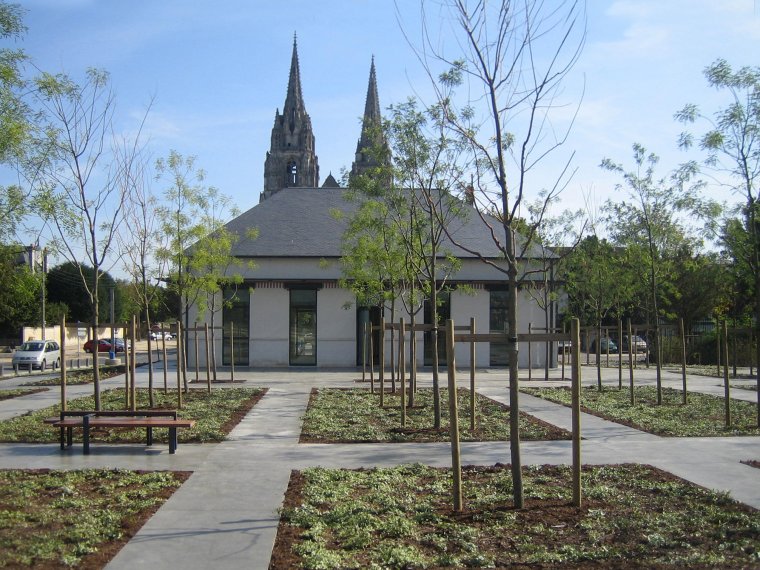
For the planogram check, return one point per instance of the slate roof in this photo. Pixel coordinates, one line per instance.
(298, 222)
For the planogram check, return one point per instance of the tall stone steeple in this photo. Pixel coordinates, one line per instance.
(372, 148)
(291, 160)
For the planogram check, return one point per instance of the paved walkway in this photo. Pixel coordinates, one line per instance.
(225, 515)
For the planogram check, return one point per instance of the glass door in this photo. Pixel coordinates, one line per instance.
(303, 327)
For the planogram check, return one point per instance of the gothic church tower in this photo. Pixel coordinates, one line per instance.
(372, 148)
(291, 160)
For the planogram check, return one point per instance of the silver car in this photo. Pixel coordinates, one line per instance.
(37, 354)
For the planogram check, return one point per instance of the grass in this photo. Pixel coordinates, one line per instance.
(16, 392)
(56, 519)
(216, 413)
(77, 377)
(702, 416)
(632, 516)
(354, 415)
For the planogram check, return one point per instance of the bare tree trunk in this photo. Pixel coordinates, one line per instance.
(514, 381)
(96, 354)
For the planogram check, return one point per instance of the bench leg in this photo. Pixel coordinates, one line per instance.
(172, 439)
(86, 435)
(63, 437)
(149, 436)
(69, 436)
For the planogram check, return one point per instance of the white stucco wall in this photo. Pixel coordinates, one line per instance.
(268, 337)
(336, 324)
(336, 328)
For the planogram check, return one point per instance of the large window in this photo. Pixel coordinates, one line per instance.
(303, 327)
(235, 322)
(498, 324)
(367, 315)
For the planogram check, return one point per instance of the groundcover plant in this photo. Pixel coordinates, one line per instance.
(354, 415)
(702, 416)
(632, 516)
(58, 519)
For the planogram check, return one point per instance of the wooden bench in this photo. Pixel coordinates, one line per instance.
(148, 419)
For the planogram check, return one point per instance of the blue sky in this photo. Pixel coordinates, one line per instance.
(218, 70)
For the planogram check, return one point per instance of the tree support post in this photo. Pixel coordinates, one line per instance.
(232, 352)
(179, 365)
(630, 363)
(401, 370)
(456, 466)
(381, 350)
(576, 413)
(132, 348)
(371, 359)
(620, 353)
(726, 384)
(63, 363)
(684, 397)
(208, 357)
(472, 375)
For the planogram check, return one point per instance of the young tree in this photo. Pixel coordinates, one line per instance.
(732, 144)
(180, 217)
(372, 253)
(211, 262)
(598, 283)
(555, 238)
(84, 186)
(139, 251)
(426, 174)
(15, 125)
(511, 59)
(646, 220)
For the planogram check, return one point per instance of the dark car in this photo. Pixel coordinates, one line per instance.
(605, 345)
(104, 345)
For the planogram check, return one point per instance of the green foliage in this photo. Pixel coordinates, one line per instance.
(20, 292)
(647, 221)
(731, 141)
(599, 281)
(199, 249)
(15, 126)
(211, 410)
(355, 416)
(55, 518)
(703, 416)
(66, 284)
(401, 517)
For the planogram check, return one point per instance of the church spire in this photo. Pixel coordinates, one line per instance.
(291, 160)
(372, 148)
(372, 105)
(294, 106)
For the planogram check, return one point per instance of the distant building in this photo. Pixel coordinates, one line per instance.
(291, 311)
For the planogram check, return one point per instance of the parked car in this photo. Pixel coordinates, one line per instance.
(104, 345)
(638, 344)
(37, 354)
(605, 345)
(158, 335)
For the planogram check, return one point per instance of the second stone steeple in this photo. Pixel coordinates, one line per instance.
(372, 148)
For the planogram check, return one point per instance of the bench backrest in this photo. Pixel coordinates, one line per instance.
(121, 413)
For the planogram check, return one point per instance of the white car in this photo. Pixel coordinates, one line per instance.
(37, 354)
(158, 335)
